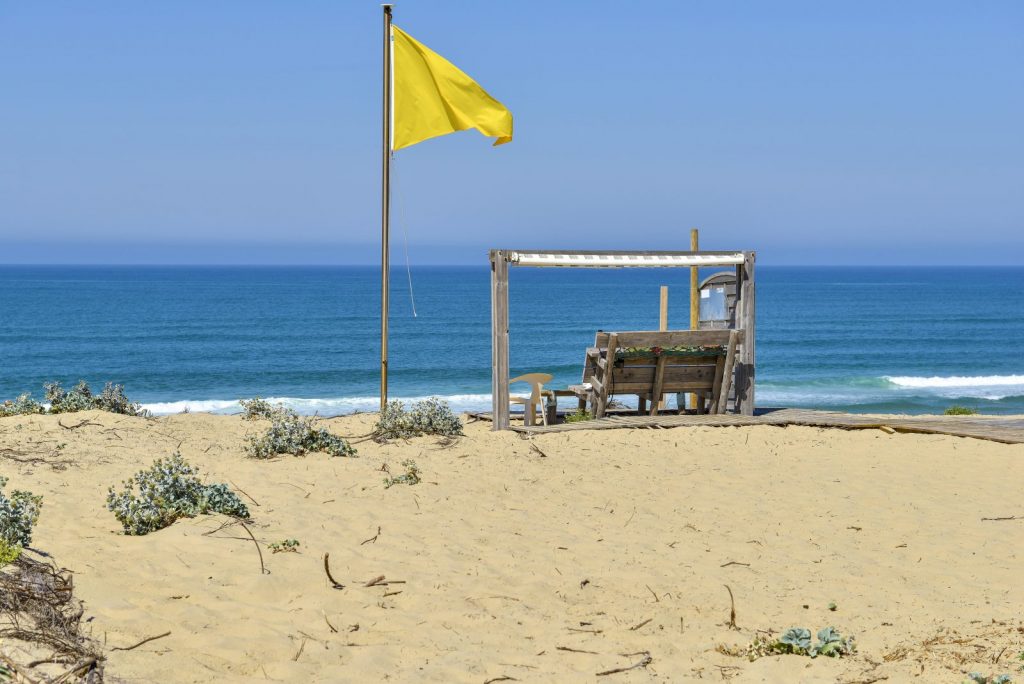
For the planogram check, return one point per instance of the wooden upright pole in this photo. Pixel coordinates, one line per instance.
(662, 325)
(694, 295)
(663, 314)
(385, 208)
(499, 340)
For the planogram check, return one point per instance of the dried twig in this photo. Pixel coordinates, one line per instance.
(263, 568)
(335, 584)
(647, 660)
(144, 641)
(732, 609)
(255, 502)
(376, 581)
(725, 565)
(575, 650)
(76, 425)
(502, 678)
(638, 626)
(1009, 517)
(373, 539)
(302, 646)
(333, 628)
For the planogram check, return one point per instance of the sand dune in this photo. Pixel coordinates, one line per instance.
(551, 559)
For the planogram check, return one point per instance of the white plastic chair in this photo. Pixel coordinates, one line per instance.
(536, 399)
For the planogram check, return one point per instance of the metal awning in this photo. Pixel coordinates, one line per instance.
(611, 259)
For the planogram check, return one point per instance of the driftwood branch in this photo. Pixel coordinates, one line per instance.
(263, 568)
(144, 641)
(335, 584)
(647, 660)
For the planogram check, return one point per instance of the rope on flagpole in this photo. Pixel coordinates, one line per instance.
(405, 230)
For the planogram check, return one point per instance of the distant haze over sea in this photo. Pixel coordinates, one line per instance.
(878, 339)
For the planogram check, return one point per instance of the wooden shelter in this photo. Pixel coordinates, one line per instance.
(502, 260)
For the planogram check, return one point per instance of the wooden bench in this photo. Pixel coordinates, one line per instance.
(650, 364)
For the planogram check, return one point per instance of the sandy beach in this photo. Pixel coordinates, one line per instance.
(547, 559)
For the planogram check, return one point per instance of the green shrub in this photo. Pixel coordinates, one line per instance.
(797, 641)
(22, 406)
(81, 398)
(960, 411)
(18, 515)
(258, 407)
(411, 475)
(170, 489)
(978, 678)
(578, 417)
(431, 416)
(290, 433)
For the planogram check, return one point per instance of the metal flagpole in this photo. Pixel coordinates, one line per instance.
(385, 209)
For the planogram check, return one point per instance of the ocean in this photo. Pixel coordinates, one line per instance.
(863, 339)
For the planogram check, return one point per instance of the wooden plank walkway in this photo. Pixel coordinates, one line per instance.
(995, 428)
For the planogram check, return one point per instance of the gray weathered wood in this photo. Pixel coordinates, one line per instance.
(499, 340)
(727, 373)
(745, 375)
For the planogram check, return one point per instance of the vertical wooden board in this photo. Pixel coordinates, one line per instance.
(746, 369)
(727, 374)
(716, 390)
(499, 340)
(659, 381)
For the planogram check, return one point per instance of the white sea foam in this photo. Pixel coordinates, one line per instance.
(327, 406)
(956, 381)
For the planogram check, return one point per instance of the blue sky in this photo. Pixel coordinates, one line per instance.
(248, 131)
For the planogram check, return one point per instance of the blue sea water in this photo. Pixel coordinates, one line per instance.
(852, 338)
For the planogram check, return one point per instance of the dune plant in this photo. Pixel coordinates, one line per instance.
(258, 407)
(24, 405)
(579, 416)
(286, 546)
(978, 678)
(290, 433)
(797, 641)
(960, 411)
(170, 489)
(81, 398)
(411, 475)
(19, 512)
(431, 416)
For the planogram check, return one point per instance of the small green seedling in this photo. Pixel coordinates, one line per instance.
(832, 606)
(978, 678)
(411, 475)
(286, 546)
(796, 641)
(579, 416)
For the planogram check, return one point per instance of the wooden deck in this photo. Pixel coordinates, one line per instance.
(995, 428)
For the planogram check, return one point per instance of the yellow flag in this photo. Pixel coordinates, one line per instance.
(433, 97)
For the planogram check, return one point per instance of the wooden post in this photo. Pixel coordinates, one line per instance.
(662, 325)
(694, 295)
(499, 340)
(663, 317)
(745, 370)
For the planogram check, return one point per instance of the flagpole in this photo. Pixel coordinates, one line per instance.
(385, 213)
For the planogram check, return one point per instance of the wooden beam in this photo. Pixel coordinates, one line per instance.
(745, 370)
(499, 340)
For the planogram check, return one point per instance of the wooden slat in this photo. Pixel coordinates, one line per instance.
(659, 383)
(1006, 430)
(672, 338)
(727, 372)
